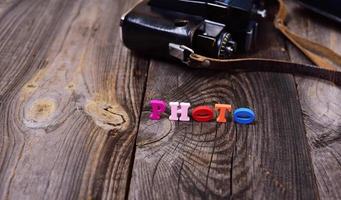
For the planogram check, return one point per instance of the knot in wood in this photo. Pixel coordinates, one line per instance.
(108, 116)
(39, 112)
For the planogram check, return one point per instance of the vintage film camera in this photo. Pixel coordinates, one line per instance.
(174, 28)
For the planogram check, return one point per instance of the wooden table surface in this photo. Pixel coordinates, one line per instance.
(74, 108)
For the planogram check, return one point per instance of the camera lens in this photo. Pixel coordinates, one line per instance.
(226, 46)
(214, 40)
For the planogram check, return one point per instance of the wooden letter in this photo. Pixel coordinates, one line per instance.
(222, 108)
(158, 107)
(175, 110)
(202, 114)
(244, 116)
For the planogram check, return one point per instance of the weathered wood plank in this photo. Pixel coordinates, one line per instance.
(184, 160)
(271, 159)
(6, 5)
(321, 103)
(70, 100)
(26, 28)
(190, 160)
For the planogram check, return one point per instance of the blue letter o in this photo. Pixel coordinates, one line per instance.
(244, 116)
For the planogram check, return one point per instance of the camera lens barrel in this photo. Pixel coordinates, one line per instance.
(212, 39)
(226, 46)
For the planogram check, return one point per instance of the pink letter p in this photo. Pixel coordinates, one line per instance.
(158, 107)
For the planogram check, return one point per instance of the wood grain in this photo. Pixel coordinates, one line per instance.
(183, 160)
(70, 98)
(6, 5)
(191, 160)
(320, 102)
(271, 158)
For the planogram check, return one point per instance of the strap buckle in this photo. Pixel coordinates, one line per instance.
(180, 52)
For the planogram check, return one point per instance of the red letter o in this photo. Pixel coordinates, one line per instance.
(202, 114)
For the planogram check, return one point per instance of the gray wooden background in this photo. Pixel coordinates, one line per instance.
(74, 106)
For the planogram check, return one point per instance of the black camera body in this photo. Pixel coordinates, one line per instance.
(174, 28)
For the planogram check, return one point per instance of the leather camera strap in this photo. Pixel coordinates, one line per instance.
(318, 54)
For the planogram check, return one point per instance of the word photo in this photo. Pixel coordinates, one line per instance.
(180, 111)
